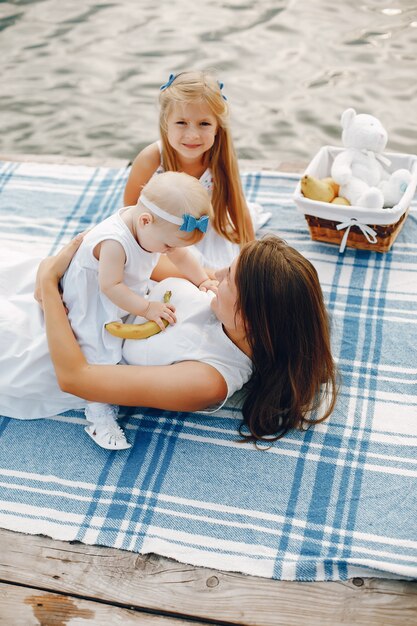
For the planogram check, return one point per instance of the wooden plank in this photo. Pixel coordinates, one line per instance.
(163, 585)
(23, 606)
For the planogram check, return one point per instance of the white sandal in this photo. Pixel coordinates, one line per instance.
(108, 435)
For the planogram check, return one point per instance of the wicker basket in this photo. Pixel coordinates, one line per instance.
(354, 226)
(326, 230)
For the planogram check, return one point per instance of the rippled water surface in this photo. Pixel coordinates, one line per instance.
(81, 78)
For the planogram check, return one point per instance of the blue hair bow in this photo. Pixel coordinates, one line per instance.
(171, 79)
(221, 85)
(190, 223)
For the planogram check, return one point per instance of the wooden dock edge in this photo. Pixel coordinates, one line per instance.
(54, 583)
(56, 578)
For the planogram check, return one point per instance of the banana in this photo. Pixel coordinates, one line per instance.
(137, 331)
(317, 189)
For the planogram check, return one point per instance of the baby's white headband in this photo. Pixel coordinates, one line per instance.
(187, 223)
(160, 212)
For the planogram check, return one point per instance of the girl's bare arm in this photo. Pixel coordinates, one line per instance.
(165, 268)
(111, 276)
(111, 281)
(144, 165)
(188, 265)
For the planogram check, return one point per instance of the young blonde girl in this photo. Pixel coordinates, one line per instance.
(109, 276)
(196, 139)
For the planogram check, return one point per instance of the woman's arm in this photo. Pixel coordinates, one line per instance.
(186, 386)
(144, 165)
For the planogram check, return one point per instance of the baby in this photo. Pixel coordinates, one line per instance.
(109, 276)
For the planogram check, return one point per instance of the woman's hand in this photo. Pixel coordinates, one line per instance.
(54, 267)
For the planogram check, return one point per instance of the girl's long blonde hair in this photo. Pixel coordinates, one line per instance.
(228, 201)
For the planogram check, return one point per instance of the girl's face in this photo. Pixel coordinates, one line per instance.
(191, 129)
(224, 302)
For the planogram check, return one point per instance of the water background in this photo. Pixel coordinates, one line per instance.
(81, 78)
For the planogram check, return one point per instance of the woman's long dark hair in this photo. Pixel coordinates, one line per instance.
(281, 301)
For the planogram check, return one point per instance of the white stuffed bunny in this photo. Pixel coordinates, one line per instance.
(361, 170)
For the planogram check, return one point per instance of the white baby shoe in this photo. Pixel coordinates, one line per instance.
(103, 428)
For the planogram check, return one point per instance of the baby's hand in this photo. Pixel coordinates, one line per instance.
(209, 284)
(158, 311)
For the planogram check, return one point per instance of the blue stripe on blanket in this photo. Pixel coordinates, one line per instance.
(336, 501)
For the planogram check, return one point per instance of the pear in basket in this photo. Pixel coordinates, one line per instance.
(321, 189)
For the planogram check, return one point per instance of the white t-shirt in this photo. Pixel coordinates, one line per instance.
(197, 336)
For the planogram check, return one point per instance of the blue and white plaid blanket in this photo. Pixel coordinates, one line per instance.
(336, 501)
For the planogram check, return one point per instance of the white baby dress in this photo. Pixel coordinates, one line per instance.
(89, 308)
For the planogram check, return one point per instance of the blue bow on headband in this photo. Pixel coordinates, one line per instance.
(171, 79)
(190, 223)
(221, 85)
